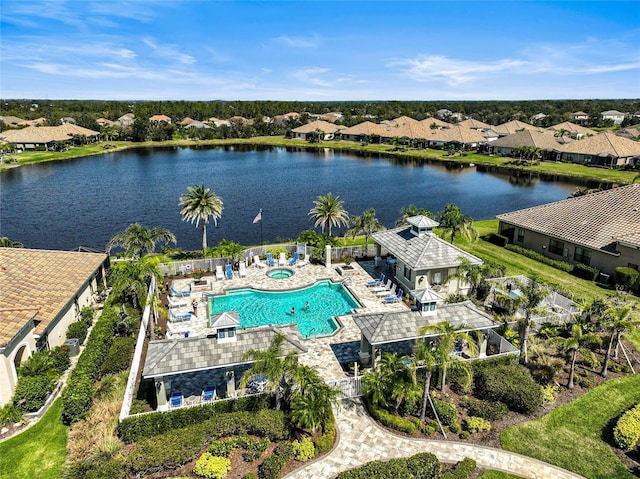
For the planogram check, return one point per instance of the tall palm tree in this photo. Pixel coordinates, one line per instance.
(366, 224)
(531, 296)
(130, 280)
(412, 210)
(328, 211)
(138, 240)
(312, 399)
(446, 338)
(278, 368)
(424, 358)
(577, 342)
(200, 204)
(617, 320)
(452, 218)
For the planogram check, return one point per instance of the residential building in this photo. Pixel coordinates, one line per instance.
(49, 137)
(580, 116)
(475, 124)
(616, 116)
(571, 129)
(11, 121)
(507, 145)
(104, 122)
(159, 118)
(324, 128)
(126, 120)
(604, 149)
(513, 126)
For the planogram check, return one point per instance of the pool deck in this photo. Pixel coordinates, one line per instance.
(323, 352)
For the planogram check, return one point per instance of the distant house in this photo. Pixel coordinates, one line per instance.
(42, 294)
(512, 126)
(48, 137)
(241, 120)
(159, 118)
(475, 124)
(423, 260)
(186, 121)
(67, 119)
(599, 229)
(507, 145)
(363, 131)
(326, 129)
(126, 119)
(604, 149)
(434, 123)
(616, 116)
(573, 130)
(102, 122)
(217, 121)
(458, 136)
(632, 133)
(197, 124)
(283, 119)
(11, 121)
(537, 117)
(36, 122)
(580, 116)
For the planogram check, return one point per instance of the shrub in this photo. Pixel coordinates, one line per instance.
(491, 411)
(78, 330)
(420, 466)
(585, 272)
(119, 355)
(86, 315)
(9, 414)
(249, 475)
(549, 394)
(476, 424)
(211, 466)
(447, 413)
(98, 467)
(429, 427)
(272, 466)
(497, 239)
(324, 443)
(31, 393)
(626, 432)
(464, 435)
(462, 470)
(222, 447)
(304, 450)
(512, 385)
(455, 428)
(392, 421)
(60, 359)
(626, 276)
(254, 448)
(561, 265)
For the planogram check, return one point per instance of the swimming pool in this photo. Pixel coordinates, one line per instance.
(258, 308)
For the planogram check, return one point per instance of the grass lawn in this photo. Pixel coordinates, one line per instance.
(39, 452)
(497, 475)
(571, 435)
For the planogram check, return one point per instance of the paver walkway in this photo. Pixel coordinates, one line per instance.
(360, 440)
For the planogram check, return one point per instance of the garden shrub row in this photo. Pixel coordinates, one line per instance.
(78, 330)
(272, 466)
(489, 410)
(626, 432)
(497, 239)
(462, 470)
(137, 428)
(558, 264)
(212, 467)
(585, 272)
(510, 384)
(420, 466)
(179, 446)
(391, 420)
(324, 443)
(119, 355)
(77, 397)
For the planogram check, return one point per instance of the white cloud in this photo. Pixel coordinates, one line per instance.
(311, 41)
(169, 51)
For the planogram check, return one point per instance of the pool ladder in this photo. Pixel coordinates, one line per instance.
(311, 331)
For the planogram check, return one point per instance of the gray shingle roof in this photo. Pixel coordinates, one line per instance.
(392, 326)
(546, 141)
(175, 356)
(592, 220)
(424, 252)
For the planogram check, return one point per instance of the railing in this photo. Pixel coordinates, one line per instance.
(347, 387)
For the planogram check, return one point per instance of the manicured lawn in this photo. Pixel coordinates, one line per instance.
(571, 436)
(497, 475)
(39, 452)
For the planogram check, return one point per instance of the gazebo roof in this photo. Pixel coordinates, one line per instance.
(226, 319)
(394, 326)
(184, 355)
(426, 295)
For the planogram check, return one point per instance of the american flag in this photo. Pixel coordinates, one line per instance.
(258, 216)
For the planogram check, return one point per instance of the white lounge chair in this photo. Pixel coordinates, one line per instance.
(219, 272)
(242, 269)
(257, 263)
(177, 303)
(384, 294)
(282, 261)
(382, 287)
(303, 262)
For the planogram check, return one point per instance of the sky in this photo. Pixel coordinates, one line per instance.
(319, 51)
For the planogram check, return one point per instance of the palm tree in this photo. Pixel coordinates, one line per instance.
(278, 368)
(366, 224)
(446, 337)
(412, 210)
(375, 384)
(424, 358)
(312, 399)
(7, 243)
(532, 295)
(200, 204)
(577, 342)
(138, 240)
(453, 219)
(617, 320)
(328, 211)
(130, 280)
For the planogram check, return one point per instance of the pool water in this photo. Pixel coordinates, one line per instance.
(260, 308)
(280, 273)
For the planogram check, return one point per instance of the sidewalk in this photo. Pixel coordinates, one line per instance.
(361, 440)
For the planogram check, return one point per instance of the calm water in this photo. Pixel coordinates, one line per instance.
(260, 308)
(63, 205)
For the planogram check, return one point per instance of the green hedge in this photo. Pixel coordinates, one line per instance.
(497, 239)
(137, 428)
(561, 265)
(78, 330)
(626, 433)
(462, 470)
(626, 276)
(391, 420)
(585, 272)
(31, 393)
(77, 397)
(489, 410)
(447, 412)
(324, 443)
(420, 466)
(119, 356)
(510, 384)
(272, 466)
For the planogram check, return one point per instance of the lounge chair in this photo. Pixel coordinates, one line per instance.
(242, 269)
(219, 272)
(227, 272)
(257, 263)
(384, 294)
(303, 262)
(376, 282)
(179, 316)
(394, 299)
(176, 303)
(270, 260)
(382, 287)
(176, 399)
(208, 394)
(295, 259)
(283, 259)
(175, 292)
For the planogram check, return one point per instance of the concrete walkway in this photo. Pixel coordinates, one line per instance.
(361, 440)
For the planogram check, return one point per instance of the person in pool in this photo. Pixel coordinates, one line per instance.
(293, 310)
(306, 306)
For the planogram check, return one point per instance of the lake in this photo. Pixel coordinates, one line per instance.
(83, 202)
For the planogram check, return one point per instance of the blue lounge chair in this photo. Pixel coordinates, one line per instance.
(394, 299)
(174, 292)
(176, 399)
(376, 282)
(208, 394)
(227, 271)
(179, 317)
(270, 260)
(295, 259)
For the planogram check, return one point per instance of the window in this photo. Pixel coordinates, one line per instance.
(221, 333)
(232, 332)
(520, 235)
(556, 247)
(437, 278)
(582, 255)
(407, 272)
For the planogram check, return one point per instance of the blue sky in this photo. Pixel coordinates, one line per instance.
(403, 50)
